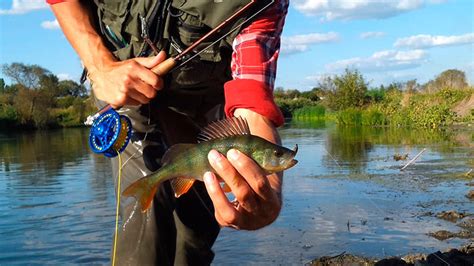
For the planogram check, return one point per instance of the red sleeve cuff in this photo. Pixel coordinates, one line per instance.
(253, 95)
(52, 2)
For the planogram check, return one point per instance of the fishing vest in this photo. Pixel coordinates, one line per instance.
(173, 25)
(195, 89)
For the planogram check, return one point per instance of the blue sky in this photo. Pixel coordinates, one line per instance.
(386, 40)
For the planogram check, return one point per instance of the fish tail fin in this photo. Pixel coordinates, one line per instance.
(143, 191)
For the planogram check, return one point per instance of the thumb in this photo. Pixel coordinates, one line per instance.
(151, 62)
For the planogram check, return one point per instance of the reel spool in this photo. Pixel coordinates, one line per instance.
(110, 133)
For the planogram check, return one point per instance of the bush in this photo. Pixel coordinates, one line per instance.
(373, 117)
(349, 116)
(309, 112)
(288, 106)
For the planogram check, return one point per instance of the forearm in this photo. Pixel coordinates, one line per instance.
(76, 22)
(119, 83)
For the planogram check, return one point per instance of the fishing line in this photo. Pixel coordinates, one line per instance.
(117, 207)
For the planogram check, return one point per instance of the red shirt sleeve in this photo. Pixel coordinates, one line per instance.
(254, 64)
(52, 2)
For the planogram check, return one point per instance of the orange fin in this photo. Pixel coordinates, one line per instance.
(143, 191)
(181, 185)
(226, 188)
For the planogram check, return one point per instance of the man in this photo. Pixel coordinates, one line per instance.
(114, 39)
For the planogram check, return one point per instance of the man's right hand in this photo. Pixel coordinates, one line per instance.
(129, 82)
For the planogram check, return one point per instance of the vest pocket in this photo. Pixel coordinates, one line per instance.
(114, 13)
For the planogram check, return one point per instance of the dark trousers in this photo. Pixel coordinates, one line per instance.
(173, 231)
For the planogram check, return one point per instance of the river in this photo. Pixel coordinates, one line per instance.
(346, 194)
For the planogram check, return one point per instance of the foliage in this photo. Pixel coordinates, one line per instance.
(406, 104)
(345, 91)
(37, 99)
(288, 106)
(309, 112)
(449, 79)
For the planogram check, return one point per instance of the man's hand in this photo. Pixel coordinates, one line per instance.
(129, 82)
(256, 203)
(257, 195)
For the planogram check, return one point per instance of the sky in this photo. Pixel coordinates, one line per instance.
(386, 40)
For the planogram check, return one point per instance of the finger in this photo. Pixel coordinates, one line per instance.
(225, 212)
(150, 78)
(146, 74)
(122, 98)
(129, 95)
(254, 175)
(242, 191)
(150, 62)
(144, 89)
(129, 101)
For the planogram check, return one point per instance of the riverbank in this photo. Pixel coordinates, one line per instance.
(416, 110)
(462, 256)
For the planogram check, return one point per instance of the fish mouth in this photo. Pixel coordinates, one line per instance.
(295, 150)
(292, 163)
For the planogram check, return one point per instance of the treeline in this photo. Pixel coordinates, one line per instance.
(38, 99)
(348, 99)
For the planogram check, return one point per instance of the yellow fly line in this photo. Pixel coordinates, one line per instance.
(117, 207)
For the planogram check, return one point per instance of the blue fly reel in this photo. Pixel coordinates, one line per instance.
(110, 133)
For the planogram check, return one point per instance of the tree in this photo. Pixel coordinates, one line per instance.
(28, 76)
(346, 90)
(2, 85)
(449, 79)
(71, 88)
(34, 96)
(411, 86)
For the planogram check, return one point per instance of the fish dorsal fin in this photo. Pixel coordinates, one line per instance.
(233, 126)
(172, 153)
(181, 185)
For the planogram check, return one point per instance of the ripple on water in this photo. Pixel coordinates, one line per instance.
(345, 194)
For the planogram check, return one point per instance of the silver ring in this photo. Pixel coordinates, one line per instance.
(236, 203)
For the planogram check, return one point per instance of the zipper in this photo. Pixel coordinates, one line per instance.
(153, 14)
(144, 34)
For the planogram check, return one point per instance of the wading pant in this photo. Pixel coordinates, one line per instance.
(179, 231)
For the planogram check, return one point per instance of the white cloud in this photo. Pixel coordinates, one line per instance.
(371, 34)
(64, 76)
(24, 6)
(382, 61)
(301, 43)
(358, 9)
(426, 41)
(50, 25)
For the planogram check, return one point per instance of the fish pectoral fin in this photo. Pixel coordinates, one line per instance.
(181, 185)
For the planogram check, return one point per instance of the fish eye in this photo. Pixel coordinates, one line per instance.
(277, 153)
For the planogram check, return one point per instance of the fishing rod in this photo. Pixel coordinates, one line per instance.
(111, 132)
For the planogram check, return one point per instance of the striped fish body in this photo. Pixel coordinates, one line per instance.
(185, 163)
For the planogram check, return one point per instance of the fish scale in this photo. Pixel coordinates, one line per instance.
(183, 164)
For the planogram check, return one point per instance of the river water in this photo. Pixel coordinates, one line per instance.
(346, 194)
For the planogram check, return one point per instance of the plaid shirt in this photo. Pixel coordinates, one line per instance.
(254, 62)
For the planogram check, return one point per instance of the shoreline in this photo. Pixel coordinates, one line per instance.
(463, 255)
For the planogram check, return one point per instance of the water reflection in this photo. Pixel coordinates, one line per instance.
(56, 198)
(351, 146)
(346, 194)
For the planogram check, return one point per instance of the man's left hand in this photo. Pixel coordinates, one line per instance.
(256, 204)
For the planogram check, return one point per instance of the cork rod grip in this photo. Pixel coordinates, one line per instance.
(164, 67)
